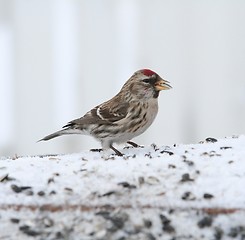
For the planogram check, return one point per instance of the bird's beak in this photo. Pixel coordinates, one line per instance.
(162, 84)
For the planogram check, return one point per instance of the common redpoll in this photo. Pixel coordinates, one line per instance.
(125, 116)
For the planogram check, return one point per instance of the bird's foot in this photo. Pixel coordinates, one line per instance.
(133, 144)
(118, 153)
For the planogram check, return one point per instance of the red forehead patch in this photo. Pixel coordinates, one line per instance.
(148, 72)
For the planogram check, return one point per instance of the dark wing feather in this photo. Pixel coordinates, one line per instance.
(89, 118)
(113, 113)
(106, 113)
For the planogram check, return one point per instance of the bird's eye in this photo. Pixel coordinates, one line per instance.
(146, 80)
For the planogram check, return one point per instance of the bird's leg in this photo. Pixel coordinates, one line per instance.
(133, 144)
(118, 153)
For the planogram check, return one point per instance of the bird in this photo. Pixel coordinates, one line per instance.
(125, 116)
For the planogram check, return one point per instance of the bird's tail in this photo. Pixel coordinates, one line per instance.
(58, 133)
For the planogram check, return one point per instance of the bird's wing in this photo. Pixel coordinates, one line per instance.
(112, 111)
(105, 113)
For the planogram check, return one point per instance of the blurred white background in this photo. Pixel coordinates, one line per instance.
(59, 58)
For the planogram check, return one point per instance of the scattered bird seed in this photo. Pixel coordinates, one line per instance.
(104, 214)
(184, 157)
(149, 236)
(167, 152)
(59, 235)
(186, 178)
(28, 231)
(68, 189)
(166, 224)
(108, 194)
(126, 185)
(24, 228)
(155, 147)
(141, 180)
(147, 223)
(208, 196)
(214, 154)
(15, 220)
(148, 155)
(205, 222)
(83, 170)
(18, 189)
(118, 222)
(25, 188)
(51, 180)
(224, 148)
(110, 157)
(171, 166)
(211, 140)
(188, 162)
(96, 150)
(15, 188)
(218, 234)
(127, 147)
(235, 231)
(188, 196)
(164, 219)
(168, 228)
(29, 192)
(171, 211)
(41, 193)
(118, 219)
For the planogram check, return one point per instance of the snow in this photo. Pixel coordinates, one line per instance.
(191, 191)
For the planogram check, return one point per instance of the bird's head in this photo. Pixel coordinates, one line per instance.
(145, 84)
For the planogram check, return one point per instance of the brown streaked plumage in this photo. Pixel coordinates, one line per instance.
(125, 116)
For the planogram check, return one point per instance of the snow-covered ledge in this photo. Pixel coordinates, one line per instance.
(192, 191)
